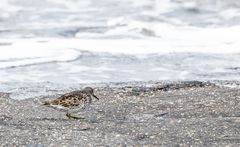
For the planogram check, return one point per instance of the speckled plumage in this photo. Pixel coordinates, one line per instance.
(72, 102)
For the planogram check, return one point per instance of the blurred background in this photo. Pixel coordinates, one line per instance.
(76, 41)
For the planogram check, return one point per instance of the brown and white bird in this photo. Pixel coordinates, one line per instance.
(72, 102)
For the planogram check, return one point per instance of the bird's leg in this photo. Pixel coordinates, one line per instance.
(74, 117)
(68, 115)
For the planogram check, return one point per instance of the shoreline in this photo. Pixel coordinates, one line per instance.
(135, 113)
(26, 90)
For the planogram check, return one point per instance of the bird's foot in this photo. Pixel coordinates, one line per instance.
(74, 117)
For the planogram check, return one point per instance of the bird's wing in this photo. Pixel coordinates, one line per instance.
(72, 99)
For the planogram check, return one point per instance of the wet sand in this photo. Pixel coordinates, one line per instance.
(132, 114)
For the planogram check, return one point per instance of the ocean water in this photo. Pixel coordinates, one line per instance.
(91, 41)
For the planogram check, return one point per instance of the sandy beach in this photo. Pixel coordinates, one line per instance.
(129, 114)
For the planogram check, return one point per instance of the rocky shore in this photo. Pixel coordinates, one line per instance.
(129, 114)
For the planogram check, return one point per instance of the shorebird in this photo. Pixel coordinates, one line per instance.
(72, 102)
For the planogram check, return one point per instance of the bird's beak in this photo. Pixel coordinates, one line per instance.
(95, 97)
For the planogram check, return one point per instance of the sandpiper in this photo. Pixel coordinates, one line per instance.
(72, 102)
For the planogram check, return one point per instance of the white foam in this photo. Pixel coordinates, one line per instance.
(181, 39)
(24, 52)
(214, 40)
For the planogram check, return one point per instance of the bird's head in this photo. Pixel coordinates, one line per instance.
(89, 91)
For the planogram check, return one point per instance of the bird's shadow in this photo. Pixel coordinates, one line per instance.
(64, 120)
